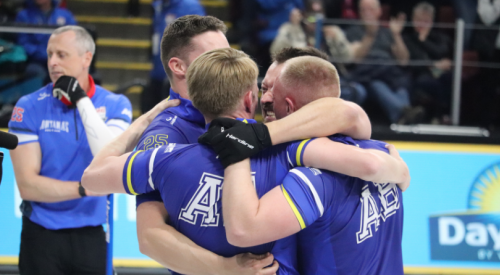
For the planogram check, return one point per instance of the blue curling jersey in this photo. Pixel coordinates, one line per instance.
(182, 124)
(39, 117)
(189, 179)
(349, 226)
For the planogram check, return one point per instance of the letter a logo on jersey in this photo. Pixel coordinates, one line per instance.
(370, 215)
(204, 202)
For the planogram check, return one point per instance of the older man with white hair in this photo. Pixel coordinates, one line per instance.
(60, 127)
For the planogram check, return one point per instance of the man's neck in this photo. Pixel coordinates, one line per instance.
(234, 115)
(180, 87)
(84, 82)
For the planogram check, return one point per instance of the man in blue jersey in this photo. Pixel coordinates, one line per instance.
(184, 40)
(346, 225)
(165, 12)
(190, 192)
(60, 127)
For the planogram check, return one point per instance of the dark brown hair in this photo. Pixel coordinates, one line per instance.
(176, 40)
(290, 52)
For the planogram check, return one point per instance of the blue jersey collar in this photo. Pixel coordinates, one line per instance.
(186, 110)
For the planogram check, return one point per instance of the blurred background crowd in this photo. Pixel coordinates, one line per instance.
(395, 58)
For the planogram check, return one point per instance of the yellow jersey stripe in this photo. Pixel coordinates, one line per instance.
(245, 121)
(299, 151)
(168, 98)
(129, 173)
(294, 208)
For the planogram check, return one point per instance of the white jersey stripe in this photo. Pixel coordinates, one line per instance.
(319, 204)
(24, 138)
(288, 157)
(151, 164)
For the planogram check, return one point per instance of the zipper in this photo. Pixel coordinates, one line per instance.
(76, 125)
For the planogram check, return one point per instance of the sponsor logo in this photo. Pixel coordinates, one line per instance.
(315, 171)
(127, 112)
(473, 235)
(242, 142)
(54, 126)
(170, 148)
(43, 96)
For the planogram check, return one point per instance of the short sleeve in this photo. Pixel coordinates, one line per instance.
(295, 152)
(121, 116)
(151, 196)
(137, 172)
(307, 191)
(23, 122)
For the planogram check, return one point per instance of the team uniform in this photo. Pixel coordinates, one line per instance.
(39, 117)
(192, 196)
(350, 226)
(182, 124)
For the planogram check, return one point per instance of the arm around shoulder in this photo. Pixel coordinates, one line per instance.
(321, 118)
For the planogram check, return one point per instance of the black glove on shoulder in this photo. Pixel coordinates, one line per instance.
(68, 90)
(236, 141)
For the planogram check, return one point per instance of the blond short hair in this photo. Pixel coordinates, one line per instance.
(310, 78)
(218, 79)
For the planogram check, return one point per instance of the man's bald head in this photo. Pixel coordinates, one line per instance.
(311, 75)
(305, 79)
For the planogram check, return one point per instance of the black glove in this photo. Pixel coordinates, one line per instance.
(67, 90)
(234, 140)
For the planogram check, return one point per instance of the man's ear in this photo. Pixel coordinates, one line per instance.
(87, 59)
(178, 67)
(249, 99)
(291, 107)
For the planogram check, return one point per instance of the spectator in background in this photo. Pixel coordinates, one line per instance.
(40, 12)
(165, 12)
(466, 9)
(341, 9)
(386, 84)
(271, 15)
(486, 42)
(432, 84)
(8, 10)
(294, 34)
(290, 34)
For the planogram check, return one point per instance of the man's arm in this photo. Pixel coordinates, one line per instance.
(361, 48)
(366, 164)
(104, 174)
(167, 246)
(399, 49)
(68, 90)
(321, 118)
(255, 221)
(27, 161)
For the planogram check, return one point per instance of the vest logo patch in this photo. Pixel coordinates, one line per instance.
(55, 126)
(101, 111)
